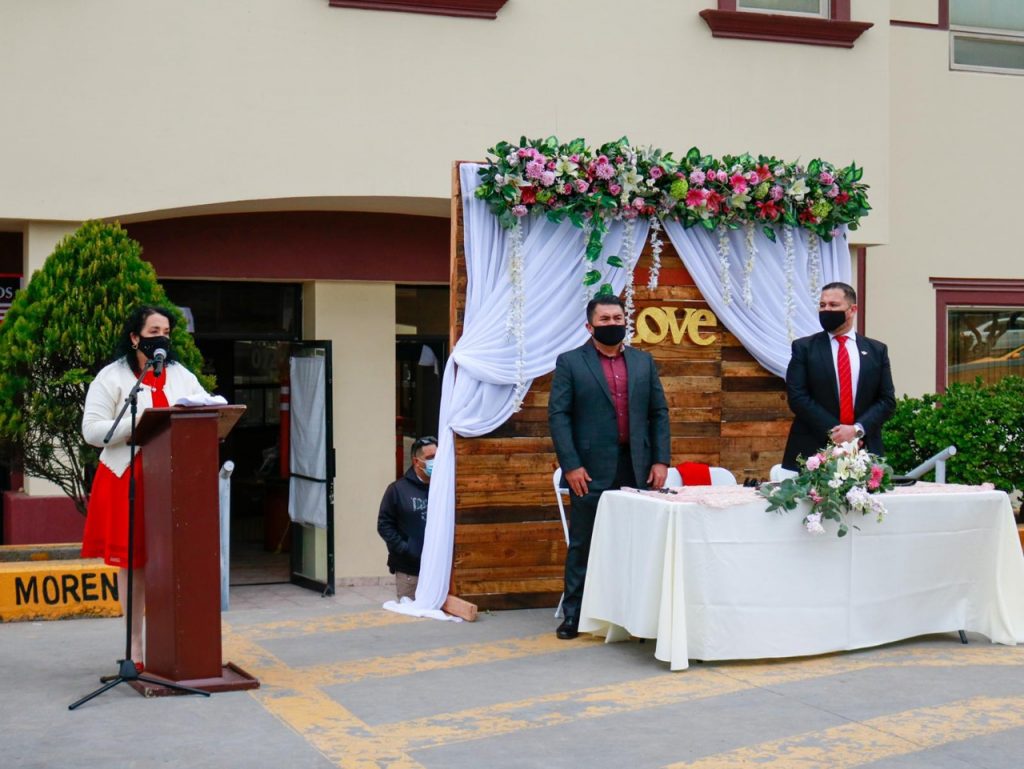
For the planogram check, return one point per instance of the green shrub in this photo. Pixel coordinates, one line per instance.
(60, 330)
(984, 422)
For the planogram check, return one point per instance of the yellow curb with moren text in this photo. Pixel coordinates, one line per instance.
(82, 587)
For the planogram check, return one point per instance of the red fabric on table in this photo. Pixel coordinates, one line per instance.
(695, 473)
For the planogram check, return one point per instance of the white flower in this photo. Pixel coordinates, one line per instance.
(739, 201)
(835, 483)
(858, 498)
(512, 159)
(798, 189)
(813, 524)
(566, 167)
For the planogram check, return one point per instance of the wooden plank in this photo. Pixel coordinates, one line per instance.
(458, 608)
(504, 533)
(488, 514)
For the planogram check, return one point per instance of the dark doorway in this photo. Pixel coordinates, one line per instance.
(421, 352)
(244, 331)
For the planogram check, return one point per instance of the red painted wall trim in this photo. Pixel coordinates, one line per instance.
(744, 25)
(477, 9)
(862, 288)
(942, 19)
(950, 292)
(298, 246)
(40, 520)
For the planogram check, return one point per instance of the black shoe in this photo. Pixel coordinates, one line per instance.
(567, 630)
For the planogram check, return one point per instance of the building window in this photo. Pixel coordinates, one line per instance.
(979, 327)
(813, 22)
(477, 9)
(987, 37)
(818, 8)
(986, 342)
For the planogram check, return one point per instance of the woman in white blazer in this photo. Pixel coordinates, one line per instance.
(147, 330)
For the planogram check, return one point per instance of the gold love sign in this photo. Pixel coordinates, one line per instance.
(654, 324)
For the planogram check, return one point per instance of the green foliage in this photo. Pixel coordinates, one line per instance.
(836, 481)
(60, 331)
(985, 423)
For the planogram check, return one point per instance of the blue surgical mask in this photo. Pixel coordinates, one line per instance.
(428, 466)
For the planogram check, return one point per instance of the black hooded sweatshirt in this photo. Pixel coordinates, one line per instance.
(402, 520)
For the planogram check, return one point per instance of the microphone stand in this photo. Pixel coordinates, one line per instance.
(127, 672)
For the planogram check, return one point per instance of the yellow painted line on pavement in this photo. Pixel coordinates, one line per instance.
(441, 658)
(698, 682)
(335, 623)
(856, 744)
(325, 724)
(558, 709)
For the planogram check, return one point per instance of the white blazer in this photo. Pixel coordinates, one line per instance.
(107, 394)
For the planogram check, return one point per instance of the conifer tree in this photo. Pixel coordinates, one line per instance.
(60, 331)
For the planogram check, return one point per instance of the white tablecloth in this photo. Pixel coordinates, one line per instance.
(739, 583)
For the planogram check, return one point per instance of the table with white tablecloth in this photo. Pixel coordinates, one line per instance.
(712, 576)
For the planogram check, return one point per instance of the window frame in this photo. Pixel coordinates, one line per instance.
(824, 12)
(838, 30)
(973, 34)
(475, 9)
(954, 293)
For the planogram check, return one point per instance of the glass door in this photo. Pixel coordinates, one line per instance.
(311, 466)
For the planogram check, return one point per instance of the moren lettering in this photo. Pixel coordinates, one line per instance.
(87, 587)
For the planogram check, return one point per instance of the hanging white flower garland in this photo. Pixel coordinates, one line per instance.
(723, 262)
(656, 246)
(787, 239)
(629, 258)
(748, 265)
(514, 323)
(813, 265)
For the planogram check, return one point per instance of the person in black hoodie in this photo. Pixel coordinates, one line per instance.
(403, 517)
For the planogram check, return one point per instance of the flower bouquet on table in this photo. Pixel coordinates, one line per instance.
(838, 480)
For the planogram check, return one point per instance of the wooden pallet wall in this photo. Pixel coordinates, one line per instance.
(725, 409)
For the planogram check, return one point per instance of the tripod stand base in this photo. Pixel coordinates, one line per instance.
(231, 679)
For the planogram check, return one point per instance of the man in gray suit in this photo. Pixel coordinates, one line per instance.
(609, 423)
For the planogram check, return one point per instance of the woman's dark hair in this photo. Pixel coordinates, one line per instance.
(134, 325)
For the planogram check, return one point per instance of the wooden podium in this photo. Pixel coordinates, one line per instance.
(180, 463)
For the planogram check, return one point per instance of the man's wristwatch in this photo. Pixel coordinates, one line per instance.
(858, 430)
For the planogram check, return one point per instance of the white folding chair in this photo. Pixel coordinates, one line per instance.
(673, 479)
(722, 477)
(560, 491)
(779, 473)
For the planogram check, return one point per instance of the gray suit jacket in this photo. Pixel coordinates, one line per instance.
(581, 416)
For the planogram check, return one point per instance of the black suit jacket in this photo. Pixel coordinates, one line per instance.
(814, 395)
(581, 416)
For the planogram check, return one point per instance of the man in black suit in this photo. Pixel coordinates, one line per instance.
(839, 383)
(609, 423)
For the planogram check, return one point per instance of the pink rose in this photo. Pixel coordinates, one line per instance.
(656, 172)
(519, 210)
(813, 463)
(534, 169)
(547, 178)
(776, 192)
(614, 188)
(826, 178)
(638, 203)
(581, 186)
(697, 177)
(722, 176)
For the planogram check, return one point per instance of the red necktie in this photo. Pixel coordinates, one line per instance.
(845, 384)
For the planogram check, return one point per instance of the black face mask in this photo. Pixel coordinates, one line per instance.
(610, 335)
(830, 320)
(150, 344)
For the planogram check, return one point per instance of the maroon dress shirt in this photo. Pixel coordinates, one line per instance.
(618, 385)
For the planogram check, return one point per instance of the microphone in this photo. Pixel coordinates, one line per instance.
(159, 356)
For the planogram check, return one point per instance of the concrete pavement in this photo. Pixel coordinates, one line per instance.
(346, 684)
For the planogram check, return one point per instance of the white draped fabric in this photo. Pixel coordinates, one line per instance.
(479, 380)
(763, 327)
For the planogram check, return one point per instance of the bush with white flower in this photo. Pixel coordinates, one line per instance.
(838, 480)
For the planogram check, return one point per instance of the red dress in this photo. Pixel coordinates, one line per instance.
(106, 525)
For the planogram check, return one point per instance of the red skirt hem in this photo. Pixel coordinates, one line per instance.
(106, 523)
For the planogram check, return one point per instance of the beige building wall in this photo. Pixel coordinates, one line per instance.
(132, 106)
(360, 319)
(956, 166)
